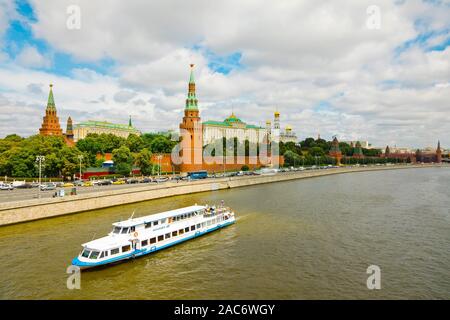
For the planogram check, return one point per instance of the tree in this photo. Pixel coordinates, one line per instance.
(135, 143)
(143, 160)
(123, 160)
(291, 158)
(316, 151)
(162, 144)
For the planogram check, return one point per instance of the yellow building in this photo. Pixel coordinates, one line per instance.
(81, 130)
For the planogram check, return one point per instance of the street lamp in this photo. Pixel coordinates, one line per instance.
(159, 157)
(80, 157)
(39, 160)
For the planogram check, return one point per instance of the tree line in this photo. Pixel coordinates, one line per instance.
(18, 154)
(316, 152)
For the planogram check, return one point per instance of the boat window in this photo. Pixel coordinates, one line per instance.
(101, 256)
(94, 255)
(192, 228)
(148, 225)
(126, 248)
(163, 221)
(152, 240)
(189, 215)
(114, 251)
(177, 218)
(106, 253)
(160, 238)
(124, 230)
(167, 235)
(203, 224)
(186, 229)
(198, 226)
(181, 231)
(116, 230)
(85, 253)
(155, 223)
(144, 243)
(132, 229)
(174, 233)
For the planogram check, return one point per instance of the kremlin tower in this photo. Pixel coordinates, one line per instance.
(69, 133)
(191, 131)
(335, 152)
(50, 125)
(357, 151)
(439, 153)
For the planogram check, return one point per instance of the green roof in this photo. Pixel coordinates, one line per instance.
(228, 122)
(51, 100)
(105, 124)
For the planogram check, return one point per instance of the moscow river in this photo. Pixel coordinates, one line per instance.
(303, 239)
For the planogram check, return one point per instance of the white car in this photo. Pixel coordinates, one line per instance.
(6, 187)
(48, 187)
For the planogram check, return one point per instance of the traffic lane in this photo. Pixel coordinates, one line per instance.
(33, 193)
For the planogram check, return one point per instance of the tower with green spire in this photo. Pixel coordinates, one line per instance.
(129, 122)
(191, 101)
(191, 131)
(50, 124)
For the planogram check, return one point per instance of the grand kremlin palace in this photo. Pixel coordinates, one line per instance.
(232, 127)
(82, 129)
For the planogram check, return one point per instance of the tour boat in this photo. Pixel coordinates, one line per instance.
(140, 236)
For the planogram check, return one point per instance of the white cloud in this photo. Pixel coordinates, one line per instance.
(30, 57)
(295, 55)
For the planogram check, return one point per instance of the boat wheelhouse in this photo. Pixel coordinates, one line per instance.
(140, 236)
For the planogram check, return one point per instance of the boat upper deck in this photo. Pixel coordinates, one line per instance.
(162, 215)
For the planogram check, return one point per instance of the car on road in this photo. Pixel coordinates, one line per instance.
(146, 180)
(118, 182)
(78, 183)
(68, 185)
(104, 182)
(88, 184)
(48, 187)
(161, 179)
(6, 186)
(132, 181)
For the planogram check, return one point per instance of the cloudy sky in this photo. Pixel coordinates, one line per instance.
(330, 67)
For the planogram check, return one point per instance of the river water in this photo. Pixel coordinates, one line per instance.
(304, 239)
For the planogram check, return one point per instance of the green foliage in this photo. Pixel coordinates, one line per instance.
(123, 160)
(245, 168)
(291, 158)
(103, 143)
(143, 161)
(135, 143)
(162, 144)
(19, 160)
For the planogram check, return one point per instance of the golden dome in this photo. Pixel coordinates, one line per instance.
(277, 114)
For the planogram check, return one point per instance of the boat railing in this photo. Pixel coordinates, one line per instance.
(216, 212)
